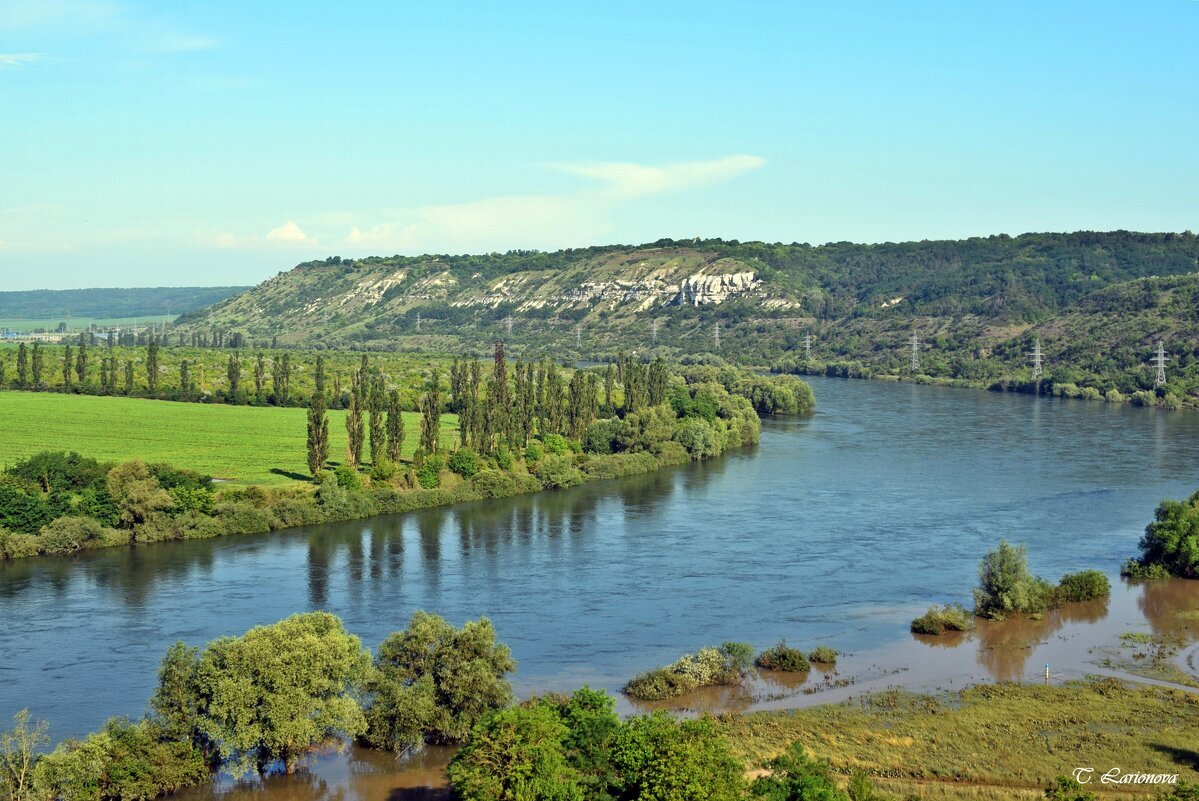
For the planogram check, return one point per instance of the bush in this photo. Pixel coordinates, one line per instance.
(516, 754)
(783, 657)
(1085, 586)
(951, 617)
(671, 453)
(503, 459)
(600, 437)
(534, 451)
(242, 518)
(558, 472)
(494, 484)
(17, 546)
(347, 477)
(794, 776)
(383, 469)
(428, 475)
(659, 684)
(556, 444)
(58, 471)
(617, 465)
(699, 437)
(1064, 788)
(464, 462)
(70, 534)
(823, 655)
(1007, 587)
(705, 668)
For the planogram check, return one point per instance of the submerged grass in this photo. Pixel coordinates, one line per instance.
(990, 741)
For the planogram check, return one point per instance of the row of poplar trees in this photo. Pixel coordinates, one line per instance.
(374, 419)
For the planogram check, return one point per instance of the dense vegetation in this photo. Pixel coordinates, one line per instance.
(1170, 545)
(61, 304)
(1099, 302)
(727, 665)
(525, 428)
(1007, 587)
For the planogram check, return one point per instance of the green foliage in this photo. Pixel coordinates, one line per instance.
(661, 758)
(280, 690)
(794, 776)
(429, 471)
(1086, 585)
(516, 755)
(432, 682)
(600, 437)
(19, 749)
(823, 655)
(1171, 542)
(1065, 788)
(558, 472)
(706, 667)
(783, 657)
(464, 462)
(1006, 586)
(534, 451)
(699, 438)
(383, 469)
(70, 534)
(938, 620)
(22, 511)
(58, 471)
(347, 477)
(136, 492)
(556, 444)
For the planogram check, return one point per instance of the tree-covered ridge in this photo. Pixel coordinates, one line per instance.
(57, 303)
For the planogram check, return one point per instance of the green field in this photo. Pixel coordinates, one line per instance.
(243, 444)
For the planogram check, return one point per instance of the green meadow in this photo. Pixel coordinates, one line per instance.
(77, 323)
(243, 444)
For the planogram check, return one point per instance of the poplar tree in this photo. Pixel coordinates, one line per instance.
(151, 368)
(129, 376)
(66, 368)
(609, 384)
(659, 377)
(376, 404)
(499, 401)
(430, 415)
(395, 427)
(318, 423)
(354, 431)
(184, 379)
(3, 365)
(22, 366)
(37, 366)
(81, 364)
(260, 379)
(281, 378)
(520, 412)
(233, 373)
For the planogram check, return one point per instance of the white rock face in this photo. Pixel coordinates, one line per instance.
(700, 289)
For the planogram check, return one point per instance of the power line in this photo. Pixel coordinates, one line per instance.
(1160, 361)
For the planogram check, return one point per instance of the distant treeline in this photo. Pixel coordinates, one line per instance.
(47, 304)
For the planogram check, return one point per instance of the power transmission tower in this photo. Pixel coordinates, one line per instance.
(508, 324)
(915, 361)
(807, 345)
(579, 335)
(716, 336)
(655, 331)
(1160, 361)
(1038, 368)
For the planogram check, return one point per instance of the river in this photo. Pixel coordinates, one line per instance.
(837, 529)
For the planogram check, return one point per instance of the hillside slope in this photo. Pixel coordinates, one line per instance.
(45, 304)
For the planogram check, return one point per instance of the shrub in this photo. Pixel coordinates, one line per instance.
(556, 444)
(1064, 788)
(706, 667)
(347, 477)
(558, 472)
(383, 469)
(1007, 587)
(464, 462)
(516, 754)
(600, 436)
(70, 534)
(619, 464)
(659, 684)
(951, 617)
(503, 459)
(534, 451)
(17, 546)
(823, 655)
(242, 518)
(699, 437)
(1085, 586)
(494, 484)
(671, 453)
(795, 775)
(58, 471)
(429, 472)
(1113, 395)
(783, 657)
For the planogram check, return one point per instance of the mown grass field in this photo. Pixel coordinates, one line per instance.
(991, 741)
(244, 444)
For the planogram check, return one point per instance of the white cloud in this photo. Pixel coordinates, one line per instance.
(288, 232)
(520, 221)
(17, 59)
(635, 180)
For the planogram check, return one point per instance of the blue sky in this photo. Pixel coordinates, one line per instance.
(221, 142)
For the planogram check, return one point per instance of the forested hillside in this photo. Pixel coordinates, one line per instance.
(44, 304)
(974, 304)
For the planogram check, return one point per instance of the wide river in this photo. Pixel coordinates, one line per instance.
(836, 529)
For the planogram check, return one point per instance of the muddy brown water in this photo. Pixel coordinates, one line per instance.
(838, 530)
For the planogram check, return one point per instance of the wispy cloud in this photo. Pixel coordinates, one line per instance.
(516, 221)
(624, 179)
(287, 235)
(184, 43)
(9, 60)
